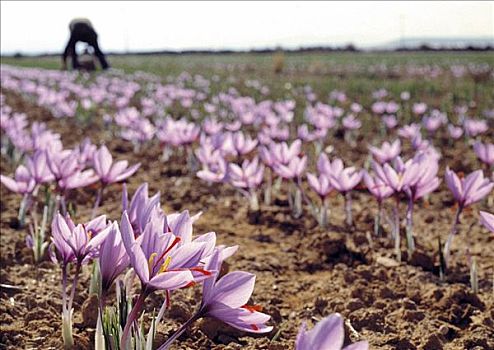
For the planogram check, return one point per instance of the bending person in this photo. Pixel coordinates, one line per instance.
(81, 29)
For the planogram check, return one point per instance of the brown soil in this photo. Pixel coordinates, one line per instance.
(303, 273)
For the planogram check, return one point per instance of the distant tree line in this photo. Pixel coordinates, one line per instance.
(304, 49)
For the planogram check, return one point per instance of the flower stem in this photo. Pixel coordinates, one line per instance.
(324, 213)
(179, 332)
(348, 209)
(64, 287)
(74, 285)
(133, 315)
(454, 229)
(97, 202)
(410, 241)
(268, 189)
(253, 201)
(396, 229)
(377, 219)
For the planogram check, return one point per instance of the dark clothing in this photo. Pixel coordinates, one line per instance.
(82, 31)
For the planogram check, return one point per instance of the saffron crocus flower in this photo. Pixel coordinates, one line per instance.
(422, 182)
(390, 121)
(249, 175)
(487, 219)
(345, 181)
(243, 144)
(38, 167)
(22, 182)
(113, 258)
(380, 191)
(283, 153)
(474, 127)
(466, 191)
(327, 334)
(215, 169)
(83, 240)
(485, 152)
(419, 108)
(455, 132)
(398, 178)
(350, 122)
(160, 261)
(226, 299)
(409, 131)
(294, 169)
(108, 171)
(62, 163)
(140, 208)
(387, 152)
(322, 187)
(247, 178)
(75, 244)
(326, 167)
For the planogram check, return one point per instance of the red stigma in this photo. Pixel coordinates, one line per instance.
(167, 250)
(190, 284)
(252, 308)
(201, 270)
(254, 327)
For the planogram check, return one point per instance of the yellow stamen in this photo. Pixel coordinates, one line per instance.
(165, 265)
(151, 260)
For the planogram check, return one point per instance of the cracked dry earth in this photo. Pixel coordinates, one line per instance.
(303, 273)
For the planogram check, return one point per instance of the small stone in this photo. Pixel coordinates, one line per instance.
(387, 262)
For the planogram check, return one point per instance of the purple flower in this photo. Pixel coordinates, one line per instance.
(38, 167)
(78, 242)
(293, 169)
(320, 185)
(22, 182)
(390, 121)
(226, 299)
(283, 154)
(474, 127)
(243, 144)
(214, 168)
(419, 108)
(345, 180)
(468, 190)
(350, 122)
(487, 219)
(409, 131)
(113, 258)
(327, 334)
(158, 258)
(78, 179)
(455, 131)
(387, 152)
(249, 175)
(425, 180)
(485, 152)
(108, 171)
(326, 167)
(140, 208)
(377, 187)
(399, 177)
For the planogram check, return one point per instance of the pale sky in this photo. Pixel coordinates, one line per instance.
(33, 27)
